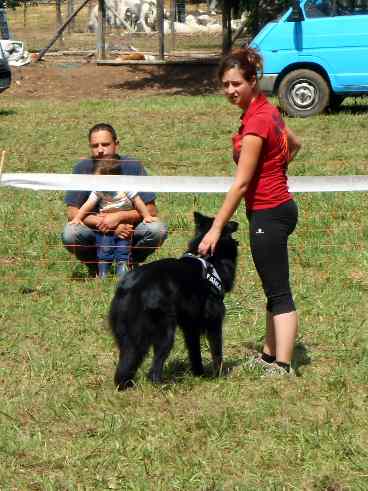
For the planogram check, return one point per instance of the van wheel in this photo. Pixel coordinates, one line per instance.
(303, 93)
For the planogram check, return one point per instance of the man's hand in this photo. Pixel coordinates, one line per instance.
(106, 222)
(124, 231)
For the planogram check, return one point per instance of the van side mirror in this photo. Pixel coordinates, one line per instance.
(296, 14)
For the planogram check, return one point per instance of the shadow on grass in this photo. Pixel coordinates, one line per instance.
(301, 356)
(176, 371)
(179, 79)
(353, 108)
(7, 112)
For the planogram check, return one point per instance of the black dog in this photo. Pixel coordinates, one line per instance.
(152, 300)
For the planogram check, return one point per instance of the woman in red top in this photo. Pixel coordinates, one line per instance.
(262, 149)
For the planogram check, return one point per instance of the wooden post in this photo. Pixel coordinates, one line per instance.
(25, 14)
(161, 34)
(59, 21)
(71, 26)
(101, 29)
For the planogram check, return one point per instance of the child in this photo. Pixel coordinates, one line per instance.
(109, 246)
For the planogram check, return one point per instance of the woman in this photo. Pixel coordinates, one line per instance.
(262, 149)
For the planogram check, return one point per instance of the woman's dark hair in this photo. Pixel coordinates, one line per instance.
(246, 59)
(103, 127)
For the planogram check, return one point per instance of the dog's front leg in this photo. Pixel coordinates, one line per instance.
(215, 340)
(193, 344)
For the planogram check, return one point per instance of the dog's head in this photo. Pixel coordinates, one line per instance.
(225, 256)
(202, 225)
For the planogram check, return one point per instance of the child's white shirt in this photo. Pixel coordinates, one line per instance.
(111, 200)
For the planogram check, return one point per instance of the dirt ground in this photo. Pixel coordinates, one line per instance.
(73, 79)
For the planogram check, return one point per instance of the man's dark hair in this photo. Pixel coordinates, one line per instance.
(103, 127)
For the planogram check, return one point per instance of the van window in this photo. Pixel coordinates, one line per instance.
(319, 8)
(351, 7)
(332, 8)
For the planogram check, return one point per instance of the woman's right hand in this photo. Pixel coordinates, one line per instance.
(209, 241)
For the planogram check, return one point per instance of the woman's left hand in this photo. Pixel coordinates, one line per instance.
(209, 241)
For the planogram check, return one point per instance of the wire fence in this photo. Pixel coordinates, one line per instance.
(189, 28)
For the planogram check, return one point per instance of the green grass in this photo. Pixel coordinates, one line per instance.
(63, 426)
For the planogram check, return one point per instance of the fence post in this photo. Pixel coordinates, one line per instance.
(172, 24)
(161, 34)
(59, 21)
(226, 27)
(101, 28)
(71, 26)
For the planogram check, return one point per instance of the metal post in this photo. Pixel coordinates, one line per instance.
(180, 13)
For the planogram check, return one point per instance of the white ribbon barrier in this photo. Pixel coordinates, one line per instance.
(171, 184)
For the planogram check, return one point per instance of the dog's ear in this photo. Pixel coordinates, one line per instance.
(202, 222)
(231, 227)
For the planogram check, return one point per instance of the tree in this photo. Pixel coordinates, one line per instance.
(259, 12)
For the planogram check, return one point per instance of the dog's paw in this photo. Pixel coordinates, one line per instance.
(124, 385)
(154, 377)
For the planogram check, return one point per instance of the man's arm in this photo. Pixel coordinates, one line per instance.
(110, 221)
(90, 220)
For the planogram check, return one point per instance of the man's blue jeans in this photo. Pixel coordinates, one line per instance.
(81, 241)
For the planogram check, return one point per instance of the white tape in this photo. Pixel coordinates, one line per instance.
(171, 184)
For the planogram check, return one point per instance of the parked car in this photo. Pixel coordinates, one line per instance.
(315, 55)
(5, 74)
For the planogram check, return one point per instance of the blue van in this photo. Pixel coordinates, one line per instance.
(315, 55)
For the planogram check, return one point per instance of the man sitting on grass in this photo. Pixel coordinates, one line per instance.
(81, 239)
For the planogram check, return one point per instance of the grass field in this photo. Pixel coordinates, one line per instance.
(62, 424)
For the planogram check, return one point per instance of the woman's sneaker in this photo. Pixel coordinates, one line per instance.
(274, 370)
(256, 361)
